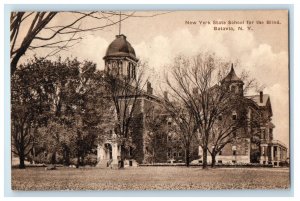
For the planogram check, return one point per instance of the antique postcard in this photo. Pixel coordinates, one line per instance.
(150, 100)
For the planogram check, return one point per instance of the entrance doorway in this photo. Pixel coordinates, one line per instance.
(108, 151)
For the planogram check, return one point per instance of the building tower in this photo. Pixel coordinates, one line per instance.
(120, 59)
(233, 82)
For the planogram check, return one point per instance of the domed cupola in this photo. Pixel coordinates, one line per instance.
(120, 58)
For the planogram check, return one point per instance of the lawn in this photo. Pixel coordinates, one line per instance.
(149, 178)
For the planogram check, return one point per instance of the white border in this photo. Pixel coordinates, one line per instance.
(295, 75)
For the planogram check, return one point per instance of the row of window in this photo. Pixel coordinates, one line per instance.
(219, 161)
(264, 134)
(233, 152)
(174, 154)
(234, 116)
(117, 68)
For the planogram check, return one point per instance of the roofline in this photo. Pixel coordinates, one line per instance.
(274, 142)
(121, 56)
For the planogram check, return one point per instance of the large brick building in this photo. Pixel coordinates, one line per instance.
(255, 143)
(121, 58)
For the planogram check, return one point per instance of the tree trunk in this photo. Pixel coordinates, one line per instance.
(33, 155)
(16, 58)
(204, 166)
(82, 160)
(123, 156)
(213, 159)
(187, 157)
(78, 161)
(53, 158)
(22, 161)
(66, 156)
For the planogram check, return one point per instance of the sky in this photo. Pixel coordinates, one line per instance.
(262, 50)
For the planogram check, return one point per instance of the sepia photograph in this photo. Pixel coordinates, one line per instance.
(149, 100)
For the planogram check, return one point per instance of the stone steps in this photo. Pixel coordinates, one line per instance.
(105, 163)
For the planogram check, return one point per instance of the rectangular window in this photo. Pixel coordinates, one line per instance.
(220, 152)
(271, 133)
(130, 151)
(233, 88)
(220, 117)
(220, 161)
(234, 152)
(234, 115)
(264, 151)
(275, 152)
(263, 134)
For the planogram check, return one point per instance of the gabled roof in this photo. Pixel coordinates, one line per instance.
(266, 102)
(256, 99)
(231, 77)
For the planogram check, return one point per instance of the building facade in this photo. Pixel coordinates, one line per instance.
(257, 145)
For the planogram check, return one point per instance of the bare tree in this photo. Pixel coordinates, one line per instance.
(237, 115)
(35, 30)
(194, 83)
(239, 121)
(156, 134)
(185, 126)
(124, 91)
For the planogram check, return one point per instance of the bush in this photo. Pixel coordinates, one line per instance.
(59, 159)
(284, 164)
(41, 159)
(90, 159)
(73, 161)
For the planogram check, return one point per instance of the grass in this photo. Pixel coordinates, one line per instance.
(150, 178)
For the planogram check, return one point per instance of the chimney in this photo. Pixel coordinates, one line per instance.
(261, 95)
(149, 88)
(166, 95)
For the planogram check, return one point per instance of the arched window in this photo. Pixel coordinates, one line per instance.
(120, 67)
(133, 71)
(234, 89)
(129, 70)
(108, 66)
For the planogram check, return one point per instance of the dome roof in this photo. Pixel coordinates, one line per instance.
(120, 47)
